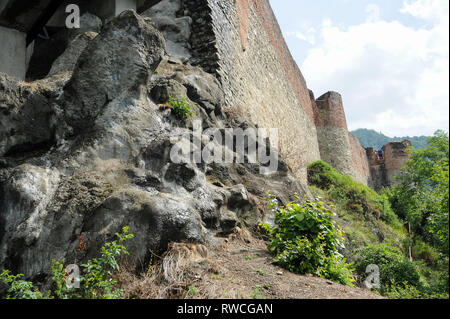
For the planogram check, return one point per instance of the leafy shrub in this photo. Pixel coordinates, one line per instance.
(96, 283)
(394, 267)
(305, 239)
(426, 252)
(181, 108)
(351, 195)
(18, 288)
(406, 291)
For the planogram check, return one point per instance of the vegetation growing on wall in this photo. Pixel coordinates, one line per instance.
(350, 196)
(181, 108)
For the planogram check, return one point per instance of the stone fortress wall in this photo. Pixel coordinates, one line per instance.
(240, 42)
(260, 77)
(245, 48)
(361, 167)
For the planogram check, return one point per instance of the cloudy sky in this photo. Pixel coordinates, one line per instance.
(388, 58)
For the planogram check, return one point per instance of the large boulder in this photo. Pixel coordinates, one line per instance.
(116, 64)
(25, 116)
(68, 60)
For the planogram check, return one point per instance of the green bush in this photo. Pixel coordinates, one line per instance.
(425, 252)
(18, 288)
(181, 108)
(351, 195)
(394, 267)
(305, 239)
(322, 175)
(96, 283)
(406, 291)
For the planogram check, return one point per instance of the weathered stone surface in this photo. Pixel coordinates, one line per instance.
(155, 220)
(25, 116)
(361, 169)
(383, 170)
(120, 59)
(68, 60)
(202, 88)
(176, 30)
(166, 88)
(88, 23)
(92, 183)
(25, 219)
(332, 133)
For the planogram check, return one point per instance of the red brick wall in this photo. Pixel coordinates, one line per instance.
(272, 28)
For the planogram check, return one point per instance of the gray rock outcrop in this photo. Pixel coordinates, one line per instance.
(107, 162)
(25, 115)
(176, 30)
(118, 61)
(68, 60)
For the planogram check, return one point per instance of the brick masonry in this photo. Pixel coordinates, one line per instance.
(260, 77)
(241, 43)
(361, 167)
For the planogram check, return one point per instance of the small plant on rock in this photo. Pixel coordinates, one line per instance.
(181, 108)
(96, 282)
(19, 288)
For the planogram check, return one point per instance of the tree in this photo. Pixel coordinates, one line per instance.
(423, 194)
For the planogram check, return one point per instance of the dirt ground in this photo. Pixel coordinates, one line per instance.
(239, 267)
(249, 273)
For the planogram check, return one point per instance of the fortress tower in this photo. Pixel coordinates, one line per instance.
(332, 132)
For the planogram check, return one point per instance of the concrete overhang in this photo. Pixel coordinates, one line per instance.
(27, 16)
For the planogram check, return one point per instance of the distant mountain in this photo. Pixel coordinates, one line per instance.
(369, 138)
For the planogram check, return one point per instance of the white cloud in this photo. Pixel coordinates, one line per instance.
(393, 78)
(373, 12)
(307, 35)
(427, 9)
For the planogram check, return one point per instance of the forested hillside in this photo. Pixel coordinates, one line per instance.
(369, 138)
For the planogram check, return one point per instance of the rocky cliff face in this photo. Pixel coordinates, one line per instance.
(88, 150)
